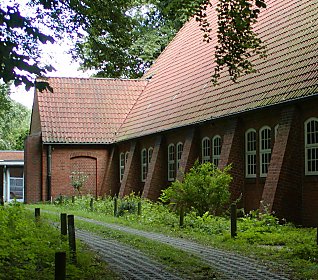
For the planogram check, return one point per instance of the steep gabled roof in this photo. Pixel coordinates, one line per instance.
(181, 93)
(81, 110)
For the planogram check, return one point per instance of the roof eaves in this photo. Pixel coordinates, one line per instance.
(247, 110)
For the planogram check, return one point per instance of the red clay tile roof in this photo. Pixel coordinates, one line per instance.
(84, 110)
(180, 91)
(11, 155)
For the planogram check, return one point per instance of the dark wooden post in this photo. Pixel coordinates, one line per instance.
(63, 224)
(181, 221)
(233, 220)
(1, 201)
(61, 199)
(115, 206)
(37, 214)
(60, 266)
(139, 208)
(73, 198)
(71, 237)
(91, 204)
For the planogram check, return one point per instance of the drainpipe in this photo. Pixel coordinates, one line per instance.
(49, 171)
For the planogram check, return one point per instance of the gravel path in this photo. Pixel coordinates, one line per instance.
(129, 262)
(231, 265)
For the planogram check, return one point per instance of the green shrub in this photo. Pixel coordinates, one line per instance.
(205, 189)
(126, 206)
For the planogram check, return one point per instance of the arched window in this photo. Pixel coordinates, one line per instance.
(126, 157)
(311, 146)
(250, 153)
(206, 149)
(171, 163)
(265, 150)
(150, 151)
(121, 166)
(216, 149)
(179, 154)
(144, 162)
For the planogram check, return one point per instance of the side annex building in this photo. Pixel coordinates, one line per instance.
(130, 135)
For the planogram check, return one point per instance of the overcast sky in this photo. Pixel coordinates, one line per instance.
(57, 56)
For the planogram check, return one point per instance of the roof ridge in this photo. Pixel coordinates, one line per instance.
(93, 78)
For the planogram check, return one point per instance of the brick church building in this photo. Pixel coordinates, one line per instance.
(135, 135)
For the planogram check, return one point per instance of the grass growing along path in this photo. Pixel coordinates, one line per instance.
(290, 249)
(28, 249)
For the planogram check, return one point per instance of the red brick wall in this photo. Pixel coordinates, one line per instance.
(254, 187)
(157, 172)
(33, 169)
(111, 182)
(92, 160)
(282, 191)
(296, 197)
(309, 201)
(191, 146)
(146, 143)
(132, 181)
(35, 122)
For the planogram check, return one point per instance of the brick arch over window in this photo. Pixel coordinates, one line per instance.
(87, 166)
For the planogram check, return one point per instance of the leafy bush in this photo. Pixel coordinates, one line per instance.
(205, 189)
(126, 206)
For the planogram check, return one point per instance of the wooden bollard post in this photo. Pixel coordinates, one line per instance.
(181, 221)
(91, 204)
(233, 220)
(73, 198)
(63, 224)
(60, 266)
(37, 214)
(115, 206)
(71, 237)
(139, 208)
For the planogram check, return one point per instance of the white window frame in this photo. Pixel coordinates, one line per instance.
(250, 154)
(21, 179)
(216, 149)
(206, 149)
(179, 154)
(126, 157)
(122, 159)
(171, 162)
(144, 164)
(265, 153)
(311, 146)
(150, 152)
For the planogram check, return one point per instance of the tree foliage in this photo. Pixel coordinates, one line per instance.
(14, 122)
(205, 189)
(121, 38)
